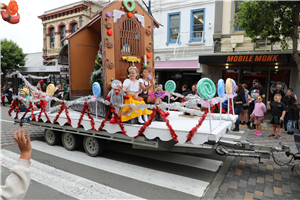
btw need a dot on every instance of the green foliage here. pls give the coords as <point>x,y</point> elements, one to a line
<point>268,19</point>
<point>97,66</point>
<point>13,56</point>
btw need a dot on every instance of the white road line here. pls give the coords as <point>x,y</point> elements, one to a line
<point>69,184</point>
<point>192,161</point>
<point>162,179</point>
<point>241,132</point>
<point>3,120</point>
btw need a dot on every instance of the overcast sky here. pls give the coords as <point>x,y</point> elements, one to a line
<point>28,33</point>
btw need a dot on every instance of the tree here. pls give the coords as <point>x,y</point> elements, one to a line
<point>96,76</point>
<point>275,20</point>
<point>12,56</point>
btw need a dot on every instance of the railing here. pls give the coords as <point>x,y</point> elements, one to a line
<point>185,39</point>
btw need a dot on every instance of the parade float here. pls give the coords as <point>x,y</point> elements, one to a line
<point>121,35</point>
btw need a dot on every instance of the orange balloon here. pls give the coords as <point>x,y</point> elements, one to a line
<point>12,7</point>
<point>148,55</point>
<point>129,14</point>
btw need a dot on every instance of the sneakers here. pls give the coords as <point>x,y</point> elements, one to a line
<point>257,133</point>
<point>278,137</point>
<point>272,135</point>
<point>236,129</point>
<point>290,133</point>
<point>243,123</point>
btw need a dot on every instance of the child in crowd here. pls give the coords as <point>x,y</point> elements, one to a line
<point>278,110</point>
<point>3,99</point>
<point>293,116</point>
<point>258,112</point>
<point>132,88</point>
<point>146,85</point>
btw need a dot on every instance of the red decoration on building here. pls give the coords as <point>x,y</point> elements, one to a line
<point>109,32</point>
<point>129,14</point>
<point>148,55</point>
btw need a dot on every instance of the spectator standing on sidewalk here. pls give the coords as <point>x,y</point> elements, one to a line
<point>258,113</point>
<point>293,94</point>
<point>277,91</point>
<point>239,100</point>
<point>278,110</point>
<point>293,116</point>
<point>244,113</point>
<point>287,100</point>
<point>255,91</point>
<point>17,183</point>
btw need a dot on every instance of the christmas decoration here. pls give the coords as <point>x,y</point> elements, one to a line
<point>96,76</point>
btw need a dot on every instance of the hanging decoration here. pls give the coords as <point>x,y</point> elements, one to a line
<point>109,44</point>
<point>108,25</point>
<point>110,65</point>
<point>149,48</point>
<point>129,5</point>
<point>10,13</point>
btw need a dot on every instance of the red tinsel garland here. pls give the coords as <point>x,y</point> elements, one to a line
<point>174,136</point>
<point>182,100</point>
<point>67,114</point>
<point>27,110</point>
<point>148,123</point>
<point>13,106</point>
<point>212,109</point>
<point>230,106</point>
<point>43,110</point>
<point>32,115</point>
<point>105,119</point>
<point>91,119</point>
<point>118,120</point>
<point>223,110</point>
<point>59,112</point>
<point>82,113</point>
<point>193,131</point>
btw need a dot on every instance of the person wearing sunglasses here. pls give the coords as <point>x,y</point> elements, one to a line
<point>255,91</point>
<point>277,91</point>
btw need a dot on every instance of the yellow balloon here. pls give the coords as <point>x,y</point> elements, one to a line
<point>228,88</point>
<point>50,90</point>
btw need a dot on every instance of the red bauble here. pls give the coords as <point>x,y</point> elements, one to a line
<point>129,14</point>
<point>148,55</point>
<point>109,32</point>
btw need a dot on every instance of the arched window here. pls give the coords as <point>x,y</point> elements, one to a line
<point>130,38</point>
<point>52,38</point>
<point>74,27</point>
<point>62,34</point>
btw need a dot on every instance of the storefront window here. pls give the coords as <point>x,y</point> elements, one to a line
<point>233,74</point>
<point>281,77</point>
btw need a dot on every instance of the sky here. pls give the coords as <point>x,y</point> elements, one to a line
<point>28,33</point>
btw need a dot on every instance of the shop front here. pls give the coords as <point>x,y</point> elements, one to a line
<point>269,68</point>
<point>181,72</point>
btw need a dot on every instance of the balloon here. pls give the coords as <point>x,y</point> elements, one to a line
<point>228,86</point>
<point>50,90</point>
<point>206,88</point>
<point>170,86</point>
<point>96,90</point>
<point>233,86</point>
<point>221,88</point>
<point>149,77</point>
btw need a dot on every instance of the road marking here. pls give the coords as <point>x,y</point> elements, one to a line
<point>67,183</point>
<point>231,136</point>
<point>241,132</point>
<point>3,120</point>
<point>193,161</point>
<point>154,177</point>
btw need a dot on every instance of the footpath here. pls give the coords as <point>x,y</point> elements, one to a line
<point>247,179</point>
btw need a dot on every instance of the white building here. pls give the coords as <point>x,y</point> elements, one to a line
<point>187,31</point>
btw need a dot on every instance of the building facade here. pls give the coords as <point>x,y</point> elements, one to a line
<point>236,57</point>
<point>187,31</point>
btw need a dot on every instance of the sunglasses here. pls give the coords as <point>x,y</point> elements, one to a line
<point>254,83</point>
<point>259,98</point>
<point>277,98</point>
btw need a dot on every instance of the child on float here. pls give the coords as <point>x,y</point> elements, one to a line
<point>146,85</point>
<point>258,112</point>
<point>132,88</point>
<point>278,110</point>
<point>293,116</point>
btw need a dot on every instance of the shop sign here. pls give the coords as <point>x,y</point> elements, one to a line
<point>253,58</point>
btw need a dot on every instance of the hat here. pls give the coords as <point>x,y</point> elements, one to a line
<point>25,90</point>
<point>256,80</point>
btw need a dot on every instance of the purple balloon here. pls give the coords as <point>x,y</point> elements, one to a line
<point>108,14</point>
<point>149,77</point>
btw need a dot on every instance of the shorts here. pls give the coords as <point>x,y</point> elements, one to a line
<point>144,96</point>
<point>276,120</point>
<point>245,107</point>
<point>259,118</point>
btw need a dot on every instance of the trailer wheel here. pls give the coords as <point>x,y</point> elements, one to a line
<point>220,150</point>
<point>70,141</point>
<point>93,146</point>
<point>51,137</point>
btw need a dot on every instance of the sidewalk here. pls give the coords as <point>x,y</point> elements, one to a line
<point>247,179</point>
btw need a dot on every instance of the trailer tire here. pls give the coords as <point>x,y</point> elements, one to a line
<point>70,141</point>
<point>93,146</point>
<point>52,137</point>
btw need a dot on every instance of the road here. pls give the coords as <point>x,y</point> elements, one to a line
<point>120,173</point>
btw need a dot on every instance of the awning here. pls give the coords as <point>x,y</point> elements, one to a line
<point>63,56</point>
<point>266,59</point>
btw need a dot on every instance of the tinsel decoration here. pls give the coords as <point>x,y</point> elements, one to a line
<point>82,113</point>
<point>162,114</point>
<point>59,112</point>
<point>105,119</point>
<point>194,130</point>
<point>96,76</point>
<point>118,120</point>
<point>13,106</point>
<point>91,118</point>
<point>43,110</point>
<point>27,110</point>
<point>146,124</point>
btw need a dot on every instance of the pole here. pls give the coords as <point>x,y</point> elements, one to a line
<point>96,108</point>
<point>209,117</point>
<point>220,113</point>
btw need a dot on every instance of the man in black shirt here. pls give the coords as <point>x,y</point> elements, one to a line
<point>255,91</point>
<point>277,91</point>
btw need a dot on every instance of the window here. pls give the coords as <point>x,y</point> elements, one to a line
<point>52,38</point>
<point>236,10</point>
<point>173,27</point>
<point>129,38</point>
<point>62,34</point>
<point>74,27</point>
<point>197,25</point>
